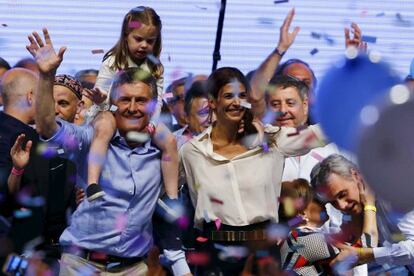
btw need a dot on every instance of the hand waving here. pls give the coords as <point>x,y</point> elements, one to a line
<point>286,38</point>
<point>356,40</point>
<point>97,95</point>
<point>46,57</point>
<point>20,156</point>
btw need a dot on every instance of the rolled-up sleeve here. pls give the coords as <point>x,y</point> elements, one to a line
<point>70,139</point>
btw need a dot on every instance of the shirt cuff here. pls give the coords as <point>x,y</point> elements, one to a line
<point>179,264</point>
<point>382,255</point>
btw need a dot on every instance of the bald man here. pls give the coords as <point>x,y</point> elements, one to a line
<point>18,91</point>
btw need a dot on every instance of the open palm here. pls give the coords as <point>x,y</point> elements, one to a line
<point>46,57</point>
<point>20,156</point>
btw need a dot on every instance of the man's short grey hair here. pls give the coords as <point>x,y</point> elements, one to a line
<point>334,163</point>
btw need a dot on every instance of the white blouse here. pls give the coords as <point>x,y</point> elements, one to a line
<point>245,189</point>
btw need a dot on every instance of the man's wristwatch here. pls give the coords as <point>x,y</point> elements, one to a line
<point>277,52</point>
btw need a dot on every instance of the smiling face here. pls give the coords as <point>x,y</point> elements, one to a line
<point>132,100</point>
<point>294,110</point>
<point>227,106</point>
<point>141,42</point>
<point>343,194</point>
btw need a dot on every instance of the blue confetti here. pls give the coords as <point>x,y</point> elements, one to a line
<point>316,35</point>
<point>380,14</point>
<point>280,1</point>
<point>370,39</point>
<point>314,51</point>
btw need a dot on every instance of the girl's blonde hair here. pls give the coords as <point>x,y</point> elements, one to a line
<point>142,15</point>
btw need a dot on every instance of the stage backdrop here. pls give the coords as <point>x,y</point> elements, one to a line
<point>251,30</point>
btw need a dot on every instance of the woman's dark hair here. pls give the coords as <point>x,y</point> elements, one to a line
<point>222,76</point>
<point>225,75</point>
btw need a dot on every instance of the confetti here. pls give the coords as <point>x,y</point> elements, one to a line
<point>280,1</point>
<point>298,130</point>
<point>201,8</point>
<point>166,158</point>
<point>295,221</point>
<point>246,104</point>
<point>153,59</point>
<point>215,200</point>
<point>316,35</point>
<point>139,137</point>
<point>265,21</point>
<point>206,218</point>
<point>4,25</point>
<point>121,222</point>
<point>370,39</point>
<point>22,213</point>
<point>380,14</point>
<point>60,151</point>
<point>169,57</point>
<point>198,258</point>
<point>329,39</point>
<point>402,22</point>
<point>134,24</point>
<point>113,108</point>
<point>218,223</point>
<point>97,51</point>
<point>314,51</point>
<point>201,239</point>
<point>277,231</point>
<point>317,156</point>
<point>265,147</point>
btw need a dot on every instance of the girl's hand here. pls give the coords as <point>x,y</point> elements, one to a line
<point>97,95</point>
<point>20,156</point>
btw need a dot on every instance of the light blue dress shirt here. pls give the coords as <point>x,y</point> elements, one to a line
<point>119,223</point>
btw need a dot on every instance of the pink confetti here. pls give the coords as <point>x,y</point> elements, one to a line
<point>215,200</point>
<point>218,223</point>
<point>166,158</point>
<point>97,51</point>
<point>121,222</point>
<point>198,258</point>
<point>201,239</point>
<point>317,156</point>
<point>134,25</point>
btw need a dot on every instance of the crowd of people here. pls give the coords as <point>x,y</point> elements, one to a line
<point>226,174</point>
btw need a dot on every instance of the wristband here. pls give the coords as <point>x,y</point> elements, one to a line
<point>277,52</point>
<point>370,208</point>
<point>15,171</point>
<point>359,252</point>
<point>151,128</point>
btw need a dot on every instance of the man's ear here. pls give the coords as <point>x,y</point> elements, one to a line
<point>29,97</point>
<point>79,106</point>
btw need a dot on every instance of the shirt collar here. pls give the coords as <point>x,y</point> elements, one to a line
<point>204,144</point>
<point>141,149</point>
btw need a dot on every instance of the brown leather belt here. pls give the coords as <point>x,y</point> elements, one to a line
<point>235,236</point>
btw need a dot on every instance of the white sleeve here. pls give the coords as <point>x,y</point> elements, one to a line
<point>292,142</point>
<point>401,253</point>
<point>158,106</point>
<point>105,76</point>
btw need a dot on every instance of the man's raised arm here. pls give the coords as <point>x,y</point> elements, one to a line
<point>48,61</point>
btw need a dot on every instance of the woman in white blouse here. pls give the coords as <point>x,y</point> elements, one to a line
<point>235,187</point>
